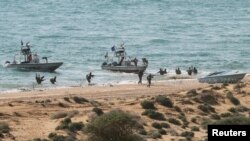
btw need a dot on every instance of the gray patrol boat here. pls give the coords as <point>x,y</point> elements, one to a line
<point>122,63</point>
<point>31,62</point>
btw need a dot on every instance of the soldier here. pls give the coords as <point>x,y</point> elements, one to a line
<point>53,80</point>
<point>149,78</point>
<point>178,71</point>
<point>88,77</point>
<point>195,71</point>
<point>140,74</point>
<point>189,71</point>
<point>162,72</point>
<point>39,79</point>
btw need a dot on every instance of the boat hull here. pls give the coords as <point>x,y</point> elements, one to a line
<point>45,67</point>
<point>234,78</point>
<point>126,69</point>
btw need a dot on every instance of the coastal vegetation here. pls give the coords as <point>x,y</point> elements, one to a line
<point>113,126</point>
<point>165,116</point>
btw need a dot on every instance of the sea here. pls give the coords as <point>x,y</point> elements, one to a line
<point>211,35</point>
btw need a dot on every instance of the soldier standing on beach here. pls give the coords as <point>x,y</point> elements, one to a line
<point>88,77</point>
<point>140,74</point>
<point>149,78</point>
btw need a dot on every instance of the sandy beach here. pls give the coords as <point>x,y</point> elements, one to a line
<point>29,113</point>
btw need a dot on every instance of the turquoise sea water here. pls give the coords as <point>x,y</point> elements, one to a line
<point>209,34</point>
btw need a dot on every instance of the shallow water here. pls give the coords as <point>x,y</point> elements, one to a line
<point>211,35</point>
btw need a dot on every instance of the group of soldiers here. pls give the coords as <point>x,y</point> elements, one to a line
<point>140,75</point>
<point>40,79</point>
<point>190,71</point>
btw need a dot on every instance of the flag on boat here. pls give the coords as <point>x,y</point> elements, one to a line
<point>113,48</point>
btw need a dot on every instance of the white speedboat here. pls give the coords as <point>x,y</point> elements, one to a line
<point>223,77</point>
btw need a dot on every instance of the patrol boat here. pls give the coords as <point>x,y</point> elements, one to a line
<point>31,62</point>
<point>119,61</point>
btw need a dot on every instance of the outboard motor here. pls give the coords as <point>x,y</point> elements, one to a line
<point>7,62</point>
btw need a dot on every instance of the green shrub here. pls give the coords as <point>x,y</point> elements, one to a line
<point>174,121</point>
<point>165,125</point>
<point>64,124</point>
<point>71,114</point>
<point>67,99</point>
<point>61,138</point>
<point>233,99</point>
<point>198,100</point>
<point>98,111</point>
<point>232,110</point>
<point>187,134</point>
<point>215,116</point>
<point>226,115</point>
<point>156,125</point>
<point>187,101</point>
<point>67,124</point>
<point>63,105</point>
<point>192,92</point>
<point>194,120</point>
<point>51,135</point>
<point>216,88</point>
<point>177,109</point>
<point>209,98</point>
<point>147,104</point>
<point>165,101</point>
<point>75,126</point>
<point>115,125</point>
<point>58,115</point>
<point>153,114</point>
<point>142,132</point>
<point>182,118</point>
<point>37,139</point>
<point>185,124</point>
<point>195,128</point>
<point>154,134</point>
<point>206,108</point>
<point>241,108</point>
<point>4,128</point>
<point>80,100</point>
<point>162,131</point>
<point>233,120</point>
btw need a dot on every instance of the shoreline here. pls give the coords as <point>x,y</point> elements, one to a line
<point>159,86</point>
<point>128,82</point>
<point>23,110</point>
<point>181,84</point>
